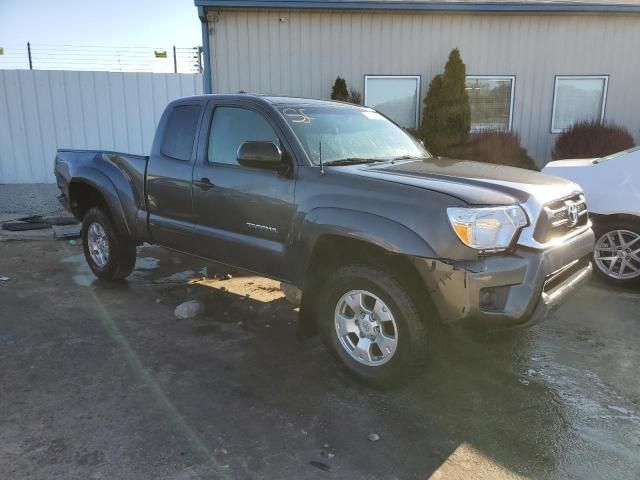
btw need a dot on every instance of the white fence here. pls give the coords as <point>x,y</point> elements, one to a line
<point>41,111</point>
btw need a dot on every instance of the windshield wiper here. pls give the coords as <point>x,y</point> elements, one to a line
<point>352,161</point>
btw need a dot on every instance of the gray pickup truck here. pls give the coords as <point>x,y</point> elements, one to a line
<point>385,241</point>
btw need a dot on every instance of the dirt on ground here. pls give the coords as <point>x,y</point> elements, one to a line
<point>101,381</point>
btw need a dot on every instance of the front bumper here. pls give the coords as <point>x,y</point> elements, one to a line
<point>511,290</point>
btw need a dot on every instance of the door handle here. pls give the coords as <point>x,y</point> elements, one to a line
<point>204,183</point>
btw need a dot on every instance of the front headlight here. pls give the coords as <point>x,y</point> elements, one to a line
<point>488,229</point>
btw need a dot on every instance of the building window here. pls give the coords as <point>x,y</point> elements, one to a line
<point>397,96</point>
<point>491,102</point>
<point>578,99</point>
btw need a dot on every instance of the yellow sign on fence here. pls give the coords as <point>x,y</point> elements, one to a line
<point>1,51</point>
<point>160,53</point>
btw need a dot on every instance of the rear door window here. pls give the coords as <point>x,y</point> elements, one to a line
<point>180,132</point>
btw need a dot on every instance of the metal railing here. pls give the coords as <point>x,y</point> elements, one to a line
<point>101,58</point>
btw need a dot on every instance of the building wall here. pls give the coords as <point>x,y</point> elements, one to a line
<point>41,111</point>
<point>301,53</point>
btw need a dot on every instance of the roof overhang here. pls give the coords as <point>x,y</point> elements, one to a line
<point>434,6</point>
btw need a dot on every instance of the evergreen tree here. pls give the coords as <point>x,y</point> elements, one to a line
<point>446,118</point>
<point>431,130</point>
<point>339,90</point>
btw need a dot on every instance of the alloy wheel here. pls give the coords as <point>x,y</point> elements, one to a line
<point>98,243</point>
<point>617,254</point>
<point>366,328</point>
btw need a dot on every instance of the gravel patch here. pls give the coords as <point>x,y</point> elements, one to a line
<point>21,200</point>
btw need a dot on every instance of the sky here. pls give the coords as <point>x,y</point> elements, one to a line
<point>121,23</point>
<point>100,22</point>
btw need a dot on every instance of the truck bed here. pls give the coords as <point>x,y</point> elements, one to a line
<point>122,174</point>
<point>68,162</point>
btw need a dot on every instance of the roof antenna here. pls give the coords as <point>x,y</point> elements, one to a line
<point>321,164</point>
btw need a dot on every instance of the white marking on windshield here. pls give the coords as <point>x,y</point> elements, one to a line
<point>297,115</point>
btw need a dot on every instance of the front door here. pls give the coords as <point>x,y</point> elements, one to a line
<point>243,215</point>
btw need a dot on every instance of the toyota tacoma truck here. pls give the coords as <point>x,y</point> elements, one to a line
<point>385,241</point>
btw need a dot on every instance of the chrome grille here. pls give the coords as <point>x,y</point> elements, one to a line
<point>560,217</point>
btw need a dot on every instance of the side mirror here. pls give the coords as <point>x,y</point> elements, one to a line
<point>265,155</point>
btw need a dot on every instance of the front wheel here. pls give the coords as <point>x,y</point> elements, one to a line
<point>109,255</point>
<point>617,252</point>
<point>370,322</point>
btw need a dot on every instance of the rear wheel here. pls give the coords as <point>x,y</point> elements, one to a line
<point>109,255</point>
<point>616,254</point>
<point>370,322</point>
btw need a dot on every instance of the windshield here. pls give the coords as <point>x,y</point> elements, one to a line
<point>349,133</point>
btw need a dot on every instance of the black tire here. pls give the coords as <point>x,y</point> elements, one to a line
<point>410,351</point>
<point>122,252</point>
<point>601,229</point>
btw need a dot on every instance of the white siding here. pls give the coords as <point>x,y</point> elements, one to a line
<point>302,55</point>
<point>41,111</point>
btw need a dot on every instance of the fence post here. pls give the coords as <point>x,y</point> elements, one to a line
<point>175,61</point>
<point>29,53</point>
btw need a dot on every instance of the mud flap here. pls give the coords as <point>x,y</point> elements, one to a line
<point>307,326</point>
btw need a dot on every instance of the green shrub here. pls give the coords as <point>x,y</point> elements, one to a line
<point>591,139</point>
<point>497,147</point>
<point>446,117</point>
<point>339,90</point>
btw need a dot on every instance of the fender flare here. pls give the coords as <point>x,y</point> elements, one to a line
<point>382,232</point>
<point>106,188</point>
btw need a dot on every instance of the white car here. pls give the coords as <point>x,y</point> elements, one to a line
<point>612,189</point>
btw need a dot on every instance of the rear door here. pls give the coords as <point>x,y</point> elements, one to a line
<point>243,215</point>
<point>169,175</point>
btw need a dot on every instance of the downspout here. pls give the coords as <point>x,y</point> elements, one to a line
<point>206,52</point>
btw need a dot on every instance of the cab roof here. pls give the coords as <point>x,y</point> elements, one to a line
<point>275,100</point>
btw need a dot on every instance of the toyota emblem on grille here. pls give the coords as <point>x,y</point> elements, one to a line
<point>572,213</point>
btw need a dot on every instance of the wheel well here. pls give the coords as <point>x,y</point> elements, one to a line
<point>83,197</point>
<point>332,251</point>
<point>615,217</point>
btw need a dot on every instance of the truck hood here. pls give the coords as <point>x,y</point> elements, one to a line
<point>475,183</point>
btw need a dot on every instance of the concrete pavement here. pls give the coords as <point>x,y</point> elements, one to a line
<point>100,381</point>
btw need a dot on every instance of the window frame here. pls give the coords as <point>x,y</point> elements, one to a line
<point>251,108</point>
<point>389,76</point>
<point>511,100</point>
<point>578,77</point>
